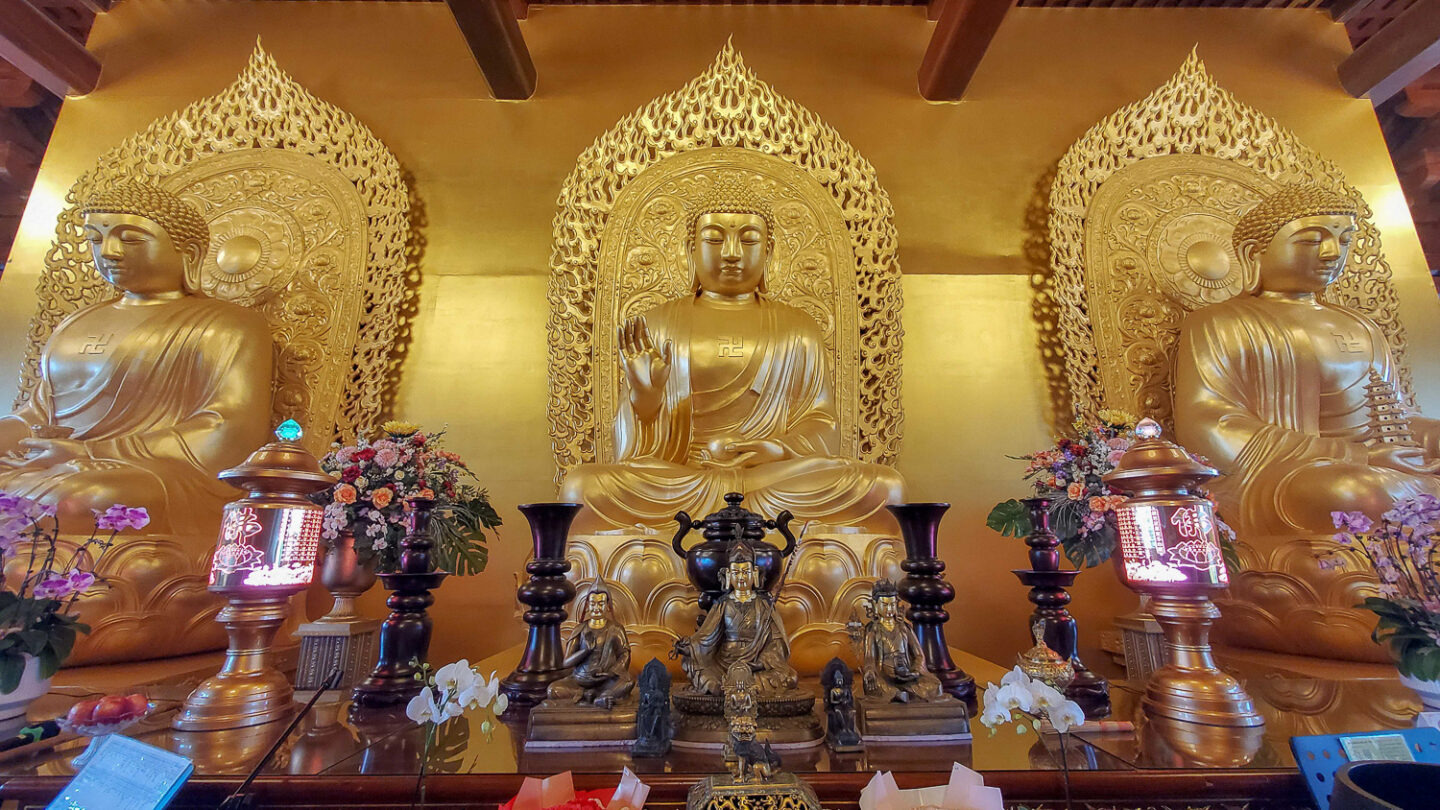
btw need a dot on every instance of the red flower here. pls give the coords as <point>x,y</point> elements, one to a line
<point>365,455</point>
<point>419,440</point>
<point>349,474</point>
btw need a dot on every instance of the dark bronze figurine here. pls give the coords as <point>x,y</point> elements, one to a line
<point>841,733</point>
<point>653,729</point>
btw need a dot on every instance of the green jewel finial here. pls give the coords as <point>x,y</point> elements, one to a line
<point>289,431</point>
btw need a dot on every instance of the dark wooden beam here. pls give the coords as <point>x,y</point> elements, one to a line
<point>1398,54</point>
<point>522,9</point>
<point>42,50</point>
<point>933,9</point>
<point>494,38</point>
<point>958,44</point>
<point>1346,10</point>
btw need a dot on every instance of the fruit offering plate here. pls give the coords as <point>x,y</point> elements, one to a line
<point>107,715</point>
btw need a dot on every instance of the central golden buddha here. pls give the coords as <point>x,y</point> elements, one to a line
<point>727,390</point>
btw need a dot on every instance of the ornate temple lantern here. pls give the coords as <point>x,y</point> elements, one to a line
<point>1170,551</point>
<point>265,554</point>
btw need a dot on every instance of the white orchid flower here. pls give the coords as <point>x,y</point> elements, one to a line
<point>1046,696</point>
<point>1015,677</point>
<point>453,679</point>
<point>422,708</point>
<point>1014,697</point>
<point>994,716</point>
<point>502,702</point>
<point>1066,715</point>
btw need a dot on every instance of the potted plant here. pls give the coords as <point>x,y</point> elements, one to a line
<point>1400,549</point>
<point>365,510</point>
<point>37,626</point>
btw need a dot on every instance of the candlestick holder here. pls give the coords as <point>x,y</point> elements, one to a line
<point>1047,583</point>
<point>405,633</point>
<point>927,593</point>
<point>545,597</point>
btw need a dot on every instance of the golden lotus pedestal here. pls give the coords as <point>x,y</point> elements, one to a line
<point>937,721</point>
<point>784,792</point>
<point>249,690</point>
<point>571,725</point>
<point>831,567</point>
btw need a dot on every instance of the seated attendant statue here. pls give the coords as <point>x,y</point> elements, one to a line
<point>598,656</point>
<point>1270,386</point>
<point>727,390</point>
<point>143,399</point>
<point>743,628</point>
<point>894,662</point>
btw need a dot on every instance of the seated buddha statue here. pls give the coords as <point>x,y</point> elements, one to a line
<point>145,397</point>
<point>727,390</point>
<point>742,629</point>
<point>1270,385</point>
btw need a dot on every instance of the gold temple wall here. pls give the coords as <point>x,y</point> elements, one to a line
<point>962,178</point>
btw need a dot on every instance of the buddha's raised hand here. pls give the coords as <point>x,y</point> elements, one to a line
<point>647,369</point>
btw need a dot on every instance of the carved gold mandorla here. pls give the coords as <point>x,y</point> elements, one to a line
<point>1160,247</point>
<point>620,249</point>
<point>826,245</point>
<point>309,222</point>
<point>1142,209</point>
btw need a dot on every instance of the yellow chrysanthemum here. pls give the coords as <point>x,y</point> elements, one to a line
<point>397,428</point>
<point>1113,416</point>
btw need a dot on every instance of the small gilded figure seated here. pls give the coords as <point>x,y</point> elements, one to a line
<point>894,663</point>
<point>598,655</point>
<point>743,627</point>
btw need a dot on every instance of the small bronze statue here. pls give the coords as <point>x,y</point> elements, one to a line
<point>841,733</point>
<point>742,627</point>
<point>598,655</point>
<point>747,756</point>
<point>653,729</point>
<point>894,663</point>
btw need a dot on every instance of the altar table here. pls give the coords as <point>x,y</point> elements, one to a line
<point>331,762</point>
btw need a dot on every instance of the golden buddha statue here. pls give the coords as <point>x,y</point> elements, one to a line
<point>143,399</point>
<point>743,629</point>
<point>1270,385</point>
<point>727,391</point>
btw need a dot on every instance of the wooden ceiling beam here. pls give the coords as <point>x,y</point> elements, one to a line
<point>42,50</point>
<point>958,44</point>
<point>495,41</point>
<point>1343,11</point>
<point>1407,48</point>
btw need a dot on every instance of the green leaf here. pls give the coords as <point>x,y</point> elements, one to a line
<point>12,666</point>
<point>49,662</point>
<point>1010,518</point>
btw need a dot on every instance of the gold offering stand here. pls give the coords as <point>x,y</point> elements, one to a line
<point>784,792</point>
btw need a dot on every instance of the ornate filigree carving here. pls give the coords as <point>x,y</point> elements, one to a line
<point>619,249</point>
<point>309,220</point>
<point>1129,262</point>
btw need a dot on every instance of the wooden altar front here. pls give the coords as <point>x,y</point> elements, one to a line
<point>331,761</point>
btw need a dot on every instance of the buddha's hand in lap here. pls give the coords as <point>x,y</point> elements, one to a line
<point>731,453</point>
<point>1405,459</point>
<point>44,453</point>
<point>647,369</point>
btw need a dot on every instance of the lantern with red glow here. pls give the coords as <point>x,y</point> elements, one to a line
<point>266,553</point>
<point>1170,551</point>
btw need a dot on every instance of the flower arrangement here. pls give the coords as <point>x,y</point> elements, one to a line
<point>1082,508</point>
<point>1035,700</point>
<point>1082,505</point>
<point>1400,549</point>
<point>376,479</point>
<point>447,693</point>
<point>36,618</point>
